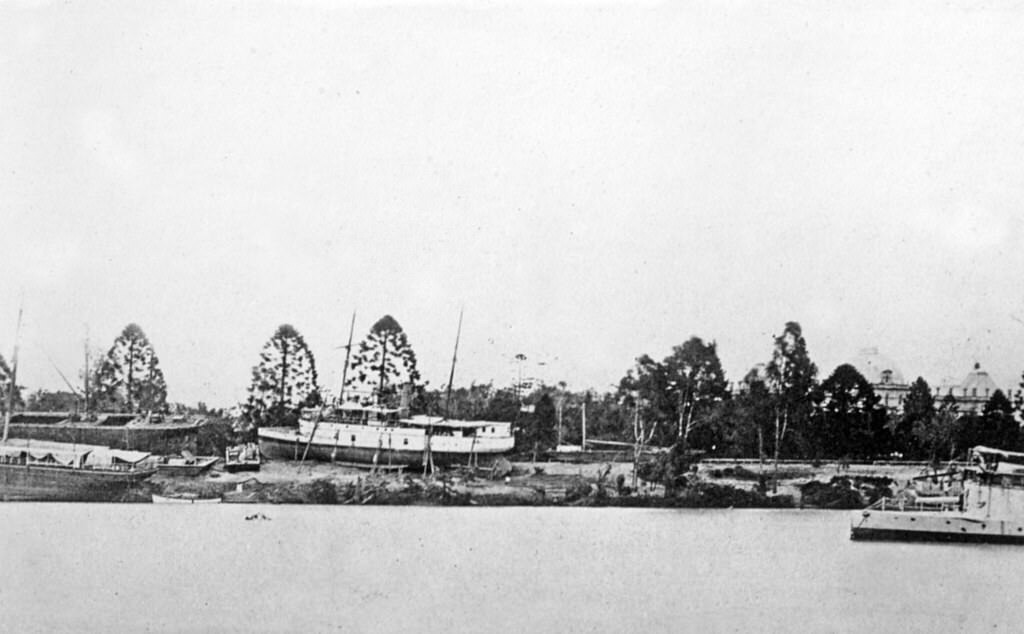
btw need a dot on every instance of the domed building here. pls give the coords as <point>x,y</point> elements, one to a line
<point>884,376</point>
<point>971,394</point>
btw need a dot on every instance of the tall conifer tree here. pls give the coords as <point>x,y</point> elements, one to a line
<point>129,377</point>
<point>284,380</point>
<point>383,363</point>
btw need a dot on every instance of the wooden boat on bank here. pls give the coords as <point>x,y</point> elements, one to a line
<point>984,503</point>
<point>34,470</point>
<point>51,471</point>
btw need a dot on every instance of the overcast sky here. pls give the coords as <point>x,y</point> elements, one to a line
<point>591,181</point>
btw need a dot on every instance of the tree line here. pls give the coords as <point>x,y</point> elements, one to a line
<point>778,410</point>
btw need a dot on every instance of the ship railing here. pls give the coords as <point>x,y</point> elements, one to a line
<point>920,504</point>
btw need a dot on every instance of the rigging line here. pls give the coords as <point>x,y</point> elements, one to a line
<point>55,367</point>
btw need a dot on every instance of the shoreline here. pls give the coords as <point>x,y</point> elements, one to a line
<point>713,485</point>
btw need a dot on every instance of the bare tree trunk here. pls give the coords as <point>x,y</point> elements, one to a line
<point>686,431</point>
<point>638,435</point>
<point>560,404</point>
<point>760,454</point>
<point>383,360</point>
<point>284,372</point>
<point>685,411</point>
<point>680,429</point>
<point>149,380</point>
<point>131,373</point>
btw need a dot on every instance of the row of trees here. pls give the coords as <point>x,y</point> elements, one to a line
<point>285,380</point>
<point>778,410</point>
<point>128,378</point>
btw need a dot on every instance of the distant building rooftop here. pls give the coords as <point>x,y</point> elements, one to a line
<point>980,380</point>
<point>972,393</point>
<point>877,368</point>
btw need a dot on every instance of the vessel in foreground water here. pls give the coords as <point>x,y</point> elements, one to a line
<point>983,502</point>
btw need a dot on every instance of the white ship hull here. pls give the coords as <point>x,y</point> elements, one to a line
<point>380,444</point>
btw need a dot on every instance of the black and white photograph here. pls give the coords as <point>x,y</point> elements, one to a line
<point>545,316</point>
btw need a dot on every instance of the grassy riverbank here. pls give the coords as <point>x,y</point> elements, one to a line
<point>542,483</point>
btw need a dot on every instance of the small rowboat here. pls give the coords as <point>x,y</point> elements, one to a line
<point>185,498</point>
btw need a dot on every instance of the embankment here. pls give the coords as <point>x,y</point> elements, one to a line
<point>539,484</point>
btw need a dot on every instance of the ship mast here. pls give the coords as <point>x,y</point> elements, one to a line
<point>14,379</point>
<point>348,352</point>
<point>85,409</point>
<point>341,394</point>
<point>451,375</point>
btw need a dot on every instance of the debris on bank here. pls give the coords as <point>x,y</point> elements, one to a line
<point>519,484</point>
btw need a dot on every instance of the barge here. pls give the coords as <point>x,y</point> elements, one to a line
<point>153,433</point>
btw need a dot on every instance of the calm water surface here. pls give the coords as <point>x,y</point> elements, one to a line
<point>156,568</point>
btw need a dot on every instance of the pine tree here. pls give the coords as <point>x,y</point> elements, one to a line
<point>918,414</point>
<point>129,377</point>
<point>284,380</point>
<point>383,362</point>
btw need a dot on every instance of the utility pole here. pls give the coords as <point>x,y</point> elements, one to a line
<point>560,403</point>
<point>519,381</point>
<point>583,444</point>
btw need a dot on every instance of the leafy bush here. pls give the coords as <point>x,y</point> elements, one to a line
<point>708,495</point>
<point>214,436</point>
<point>578,489</point>
<point>836,494</point>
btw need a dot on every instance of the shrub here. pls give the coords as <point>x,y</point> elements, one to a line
<point>836,494</point>
<point>708,495</point>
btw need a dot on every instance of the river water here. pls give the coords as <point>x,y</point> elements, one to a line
<point>169,568</point>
